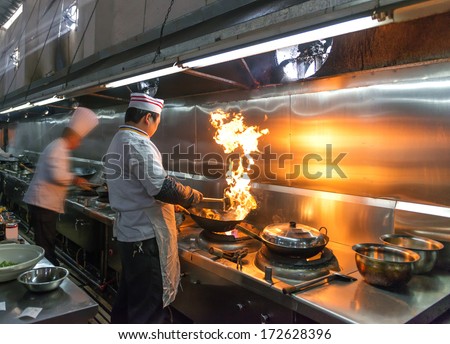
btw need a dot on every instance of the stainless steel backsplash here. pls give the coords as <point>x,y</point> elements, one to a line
<point>364,137</point>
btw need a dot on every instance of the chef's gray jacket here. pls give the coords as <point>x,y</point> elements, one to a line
<point>135,174</point>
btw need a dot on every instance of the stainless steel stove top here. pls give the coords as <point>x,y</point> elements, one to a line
<point>420,301</point>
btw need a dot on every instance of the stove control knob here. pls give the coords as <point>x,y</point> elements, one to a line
<point>265,318</point>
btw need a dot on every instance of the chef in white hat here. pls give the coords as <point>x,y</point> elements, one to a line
<point>46,194</point>
<point>143,196</point>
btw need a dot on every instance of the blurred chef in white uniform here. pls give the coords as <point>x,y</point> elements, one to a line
<point>143,196</point>
<point>46,194</point>
<point>3,154</point>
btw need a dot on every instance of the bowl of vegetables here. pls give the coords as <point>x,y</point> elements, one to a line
<point>17,258</point>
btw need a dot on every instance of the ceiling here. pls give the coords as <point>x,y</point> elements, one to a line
<point>252,73</point>
<point>7,9</point>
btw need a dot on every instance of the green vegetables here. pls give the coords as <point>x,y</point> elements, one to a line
<point>6,263</point>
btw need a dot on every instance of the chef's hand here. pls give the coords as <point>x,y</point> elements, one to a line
<point>197,196</point>
<point>79,181</point>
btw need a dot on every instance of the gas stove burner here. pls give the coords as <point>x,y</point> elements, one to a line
<point>231,240</point>
<point>231,236</point>
<point>297,269</point>
<point>319,259</point>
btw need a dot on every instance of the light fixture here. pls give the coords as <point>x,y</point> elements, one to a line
<point>15,58</point>
<point>17,108</point>
<point>70,16</point>
<point>51,100</point>
<point>13,17</point>
<point>303,37</point>
<point>151,75</point>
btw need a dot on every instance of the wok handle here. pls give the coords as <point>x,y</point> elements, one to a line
<point>331,276</point>
<point>26,168</point>
<point>249,232</point>
<point>210,199</point>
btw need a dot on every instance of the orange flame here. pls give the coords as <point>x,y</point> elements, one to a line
<point>233,134</point>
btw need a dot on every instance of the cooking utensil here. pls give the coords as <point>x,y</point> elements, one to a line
<point>384,265</point>
<point>213,220</point>
<point>23,257</point>
<point>211,199</point>
<point>332,275</point>
<point>427,249</point>
<point>84,171</point>
<point>43,279</point>
<point>224,201</point>
<point>294,240</point>
<point>85,187</point>
<point>26,168</point>
<point>103,193</point>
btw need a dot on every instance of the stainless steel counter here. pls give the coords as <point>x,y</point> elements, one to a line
<point>422,300</point>
<point>100,212</point>
<point>66,305</point>
<point>425,297</point>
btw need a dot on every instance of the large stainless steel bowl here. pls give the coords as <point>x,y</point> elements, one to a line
<point>43,279</point>
<point>426,248</point>
<point>22,257</point>
<point>384,265</point>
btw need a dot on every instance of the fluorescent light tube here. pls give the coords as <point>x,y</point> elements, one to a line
<point>6,111</point>
<point>51,100</point>
<point>146,76</point>
<point>20,107</point>
<point>304,37</point>
<point>13,18</point>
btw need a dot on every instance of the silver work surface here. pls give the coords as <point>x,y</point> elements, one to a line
<point>68,304</point>
<point>422,300</point>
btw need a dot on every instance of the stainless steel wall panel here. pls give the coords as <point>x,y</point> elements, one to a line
<point>176,138</point>
<point>96,143</point>
<point>348,219</point>
<point>392,138</point>
<point>263,113</point>
<point>394,132</point>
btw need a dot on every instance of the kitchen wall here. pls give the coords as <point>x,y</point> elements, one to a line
<point>47,46</point>
<point>342,156</point>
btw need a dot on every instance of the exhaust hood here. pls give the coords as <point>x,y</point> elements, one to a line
<point>238,53</point>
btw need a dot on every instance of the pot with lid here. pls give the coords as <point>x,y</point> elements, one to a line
<point>292,239</point>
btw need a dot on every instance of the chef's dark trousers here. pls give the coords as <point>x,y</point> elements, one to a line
<point>139,298</point>
<point>43,222</point>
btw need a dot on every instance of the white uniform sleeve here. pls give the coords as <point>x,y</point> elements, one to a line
<point>59,166</point>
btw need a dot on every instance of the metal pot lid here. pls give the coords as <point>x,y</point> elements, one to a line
<point>293,235</point>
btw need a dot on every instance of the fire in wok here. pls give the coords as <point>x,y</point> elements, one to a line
<point>232,134</point>
<point>215,220</point>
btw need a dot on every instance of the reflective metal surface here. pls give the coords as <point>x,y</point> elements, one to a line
<point>384,265</point>
<point>43,279</point>
<point>428,249</point>
<point>247,296</point>
<point>68,304</point>
<point>355,141</point>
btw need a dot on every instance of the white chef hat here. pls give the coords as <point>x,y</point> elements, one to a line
<point>83,121</point>
<point>145,102</point>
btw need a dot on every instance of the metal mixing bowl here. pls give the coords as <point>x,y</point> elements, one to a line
<point>22,256</point>
<point>43,279</point>
<point>426,248</point>
<point>384,265</point>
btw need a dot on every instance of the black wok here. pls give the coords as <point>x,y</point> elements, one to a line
<point>224,221</point>
<point>84,171</point>
<point>298,252</point>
